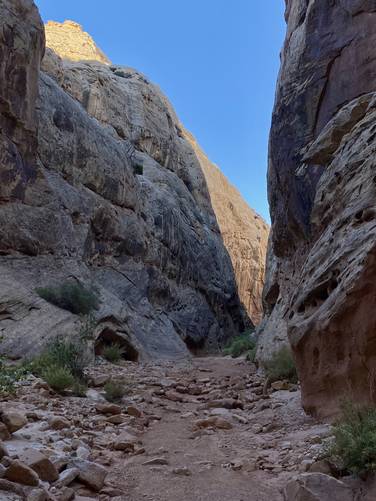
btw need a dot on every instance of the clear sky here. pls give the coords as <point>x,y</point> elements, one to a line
<point>216,60</point>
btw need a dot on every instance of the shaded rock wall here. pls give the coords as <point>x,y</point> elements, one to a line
<point>319,285</point>
<point>118,201</point>
<point>128,102</point>
<point>245,233</point>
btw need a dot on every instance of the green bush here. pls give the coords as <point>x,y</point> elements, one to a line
<point>113,352</point>
<point>114,391</point>
<point>239,345</point>
<point>64,353</point>
<point>281,366</point>
<point>71,296</point>
<point>58,378</point>
<point>79,388</point>
<point>9,375</point>
<point>355,439</point>
<point>251,354</point>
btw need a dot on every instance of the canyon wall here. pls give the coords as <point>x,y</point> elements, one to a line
<point>113,196</point>
<point>320,286</point>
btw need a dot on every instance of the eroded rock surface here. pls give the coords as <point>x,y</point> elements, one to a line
<point>70,41</point>
<point>114,196</point>
<point>319,286</point>
<point>245,233</point>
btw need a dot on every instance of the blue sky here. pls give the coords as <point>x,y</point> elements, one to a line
<point>216,60</point>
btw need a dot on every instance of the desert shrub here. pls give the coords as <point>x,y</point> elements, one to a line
<point>64,353</point>
<point>58,378</point>
<point>71,296</point>
<point>281,366</point>
<point>239,345</point>
<point>113,352</point>
<point>251,354</point>
<point>79,388</point>
<point>9,376</point>
<point>354,443</point>
<point>114,391</point>
<point>86,332</point>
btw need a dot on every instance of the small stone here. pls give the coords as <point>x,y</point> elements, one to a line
<point>117,419</point>
<point>21,473</point>
<point>305,465</point>
<point>58,423</point>
<point>83,452</point>
<point>133,411</point>
<point>37,495</point>
<point>187,415</point>
<point>67,476</point>
<point>213,422</point>
<point>321,466</point>
<point>173,396</point>
<point>112,409</point>
<point>237,464</point>
<point>66,494</point>
<point>13,420</point>
<point>3,450</point>
<point>4,432</point>
<point>125,442</point>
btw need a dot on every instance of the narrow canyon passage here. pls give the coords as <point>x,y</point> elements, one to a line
<point>194,430</point>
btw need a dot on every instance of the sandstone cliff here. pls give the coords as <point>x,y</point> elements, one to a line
<point>70,41</point>
<point>244,233</point>
<point>114,197</point>
<point>319,285</point>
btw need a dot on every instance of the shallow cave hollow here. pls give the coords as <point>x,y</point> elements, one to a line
<point>108,337</point>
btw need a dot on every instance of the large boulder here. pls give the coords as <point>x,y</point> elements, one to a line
<point>317,487</point>
<point>319,285</point>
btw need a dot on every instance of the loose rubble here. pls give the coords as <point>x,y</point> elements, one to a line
<point>204,429</point>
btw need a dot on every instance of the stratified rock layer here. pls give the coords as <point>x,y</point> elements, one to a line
<point>320,274</point>
<point>118,201</point>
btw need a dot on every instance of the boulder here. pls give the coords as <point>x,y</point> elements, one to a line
<point>107,408</point>
<point>13,420</point>
<point>317,487</point>
<point>125,442</point>
<point>21,473</point>
<point>40,463</point>
<point>59,423</point>
<point>91,474</point>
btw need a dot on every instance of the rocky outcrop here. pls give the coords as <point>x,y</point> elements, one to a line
<point>119,203</point>
<point>319,285</point>
<point>70,41</point>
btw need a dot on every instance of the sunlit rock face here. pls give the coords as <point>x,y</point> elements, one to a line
<point>114,196</point>
<point>320,286</point>
<point>71,42</point>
